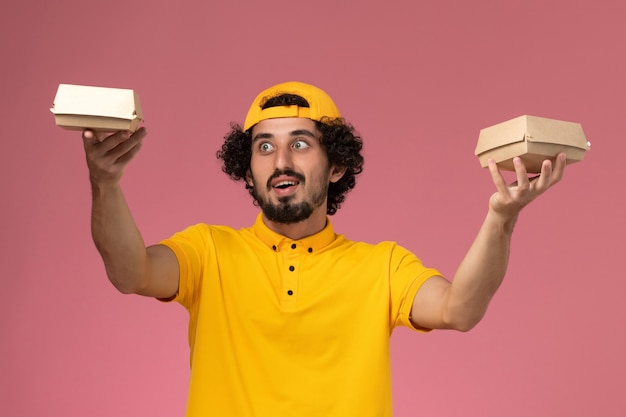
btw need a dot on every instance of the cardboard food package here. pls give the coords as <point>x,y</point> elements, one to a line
<point>532,138</point>
<point>79,107</point>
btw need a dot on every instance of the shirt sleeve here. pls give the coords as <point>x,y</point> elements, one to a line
<point>191,247</point>
<point>407,274</point>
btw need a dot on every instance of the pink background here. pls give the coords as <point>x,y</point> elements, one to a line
<point>418,79</point>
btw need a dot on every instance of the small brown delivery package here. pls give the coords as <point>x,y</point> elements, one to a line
<point>534,139</point>
<point>78,107</point>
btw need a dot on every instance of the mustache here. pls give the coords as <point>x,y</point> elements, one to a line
<point>286,172</point>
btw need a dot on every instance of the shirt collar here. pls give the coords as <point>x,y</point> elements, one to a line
<point>276,241</point>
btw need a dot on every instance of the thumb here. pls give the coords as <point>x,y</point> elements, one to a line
<point>88,134</point>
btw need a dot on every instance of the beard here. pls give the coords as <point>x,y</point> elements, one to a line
<point>286,211</point>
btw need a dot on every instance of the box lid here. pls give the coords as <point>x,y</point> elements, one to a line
<point>532,129</point>
<point>97,101</point>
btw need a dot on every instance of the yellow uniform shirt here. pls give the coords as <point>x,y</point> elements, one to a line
<point>291,328</point>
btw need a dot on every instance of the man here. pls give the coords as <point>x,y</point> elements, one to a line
<point>286,317</point>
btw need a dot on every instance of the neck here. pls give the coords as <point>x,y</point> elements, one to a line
<point>314,224</point>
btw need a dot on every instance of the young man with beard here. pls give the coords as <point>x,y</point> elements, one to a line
<point>286,317</point>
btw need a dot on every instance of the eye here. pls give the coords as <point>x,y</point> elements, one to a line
<point>266,147</point>
<point>300,144</point>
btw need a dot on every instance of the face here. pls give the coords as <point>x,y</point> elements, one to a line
<point>290,173</point>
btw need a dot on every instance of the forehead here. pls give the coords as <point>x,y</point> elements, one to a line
<point>284,126</point>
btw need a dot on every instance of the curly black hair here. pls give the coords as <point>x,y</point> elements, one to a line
<point>339,139</point>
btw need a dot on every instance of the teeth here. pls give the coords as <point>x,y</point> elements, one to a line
<point>284,184</point>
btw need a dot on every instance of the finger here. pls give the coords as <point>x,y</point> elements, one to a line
<point>89,137</point>
<point>559,168</point>
<point>97,136</point>
<point>497,177</point>
<point>130,154</point>
<point>127,139</point>
<point>94,138</point>
<point>90,142</point>
<point>552,173</point>
<point>523,182</point>
<point>128,144</point>
<point>88,134</point>
<point>140,133</point>
<point>545,177</point>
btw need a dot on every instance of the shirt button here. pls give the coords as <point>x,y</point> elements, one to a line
<point>290,292</point>
<point>310,250</point>
<point>292,268</point>
<point>293,246</point>
<point>274,247</point>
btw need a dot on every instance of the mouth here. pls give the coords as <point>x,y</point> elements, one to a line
<point>285,184</point>
<point>284,187</point>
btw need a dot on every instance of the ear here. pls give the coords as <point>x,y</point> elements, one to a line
<point>336,173</point>
<point>249,180</point>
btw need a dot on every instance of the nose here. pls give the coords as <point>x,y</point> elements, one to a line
<point>283,158</point>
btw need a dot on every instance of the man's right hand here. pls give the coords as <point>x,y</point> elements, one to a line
<point>107,156</point>
<point>130,266</point>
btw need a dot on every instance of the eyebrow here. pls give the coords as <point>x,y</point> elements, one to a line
<point>299,132</point>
